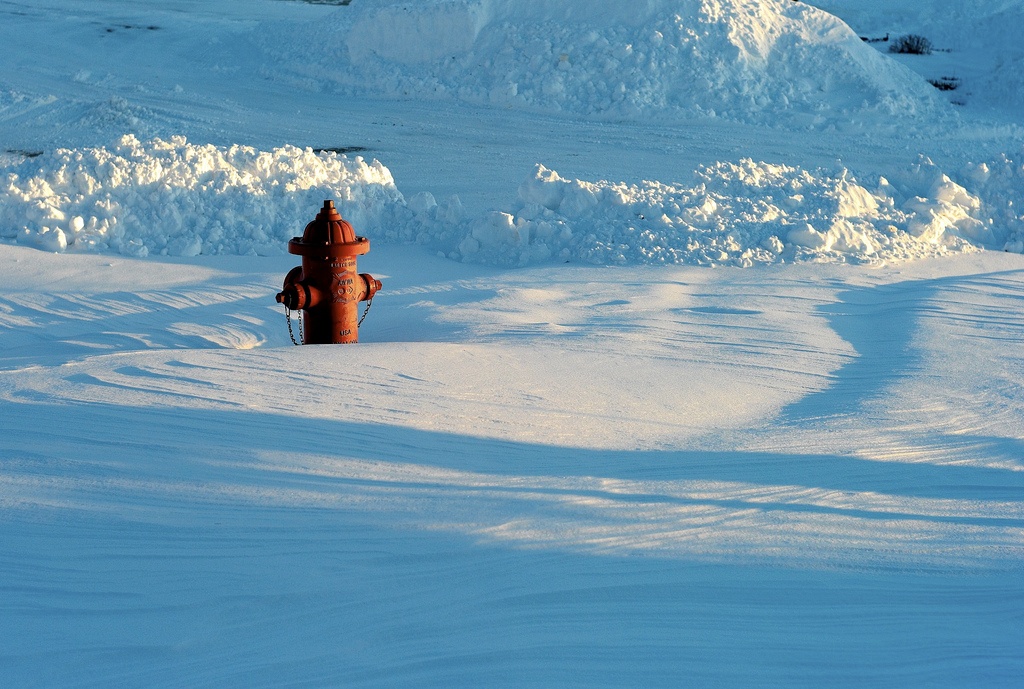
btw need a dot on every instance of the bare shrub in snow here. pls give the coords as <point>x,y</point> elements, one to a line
<point>945,83</point>
<point>912,44</point>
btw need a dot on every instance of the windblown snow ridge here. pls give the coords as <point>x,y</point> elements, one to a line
<point>180,199</point>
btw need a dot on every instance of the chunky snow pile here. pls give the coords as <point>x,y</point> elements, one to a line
<point>732,214</point>
<point>179,199</point>
<point>1000,185</point>
<point>760,61</point>
<point>175,198</point>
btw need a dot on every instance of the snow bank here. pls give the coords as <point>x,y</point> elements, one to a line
<point>732,214</point>
<point>179,199</point>
<point>760,61</point>
<point>999,184</point>
<point>175,198</point>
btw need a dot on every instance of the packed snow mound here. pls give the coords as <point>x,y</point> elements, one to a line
<point>758,61</point>
<point>175,198</point>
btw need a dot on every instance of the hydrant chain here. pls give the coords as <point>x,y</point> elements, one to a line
<point>288,318</point>
<point>362,318</point>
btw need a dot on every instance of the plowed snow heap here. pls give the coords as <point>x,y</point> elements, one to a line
<point>757,61</point>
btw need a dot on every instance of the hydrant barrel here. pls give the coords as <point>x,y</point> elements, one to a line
<point>327,287</point>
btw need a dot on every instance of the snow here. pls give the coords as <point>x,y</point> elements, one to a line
<point>696,362</point>
<point>976,45</point>
<point>734,214</point>
<point>178,199</point>
<point>664,59</point>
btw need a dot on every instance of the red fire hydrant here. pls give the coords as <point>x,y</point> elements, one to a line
<point>326,288</point>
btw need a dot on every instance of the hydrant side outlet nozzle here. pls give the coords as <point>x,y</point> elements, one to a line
<point>327,287</point>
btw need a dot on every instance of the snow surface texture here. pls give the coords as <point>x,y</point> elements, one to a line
<point>978,44</point>
<point>758,61</point>
<point>179,199</point>
<point>650,476</point>
<point>804,475</point>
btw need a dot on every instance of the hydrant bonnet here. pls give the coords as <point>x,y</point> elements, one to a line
<point>329,235</point>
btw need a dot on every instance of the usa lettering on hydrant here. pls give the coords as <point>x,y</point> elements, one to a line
<point>326,289</point>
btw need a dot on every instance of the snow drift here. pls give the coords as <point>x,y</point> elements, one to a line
<point>180,199</point>
<point>749,213</point>
<point>759,61</point>
<point>734,214</point>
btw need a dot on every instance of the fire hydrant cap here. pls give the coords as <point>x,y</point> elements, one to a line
<point>329,235</point>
